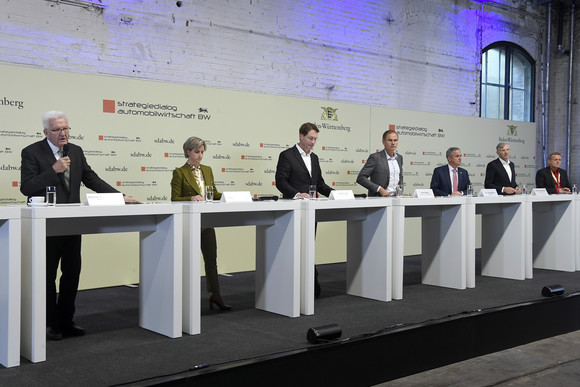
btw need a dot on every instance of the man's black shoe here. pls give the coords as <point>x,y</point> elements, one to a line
<point>53,333</point>
<point>73,331</point>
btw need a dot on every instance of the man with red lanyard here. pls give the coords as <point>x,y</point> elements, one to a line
<point>552,178</point>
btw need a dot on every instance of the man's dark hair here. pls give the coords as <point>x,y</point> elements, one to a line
<point>387,132</point>
<point>307,127</point>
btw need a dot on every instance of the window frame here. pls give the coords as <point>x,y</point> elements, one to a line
<point>510,50</point>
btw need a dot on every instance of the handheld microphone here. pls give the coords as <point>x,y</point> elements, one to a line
<point>65,150</point>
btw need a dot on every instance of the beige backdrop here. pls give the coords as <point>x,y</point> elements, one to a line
<point>132,133</point>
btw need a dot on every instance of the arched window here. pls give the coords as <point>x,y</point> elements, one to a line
<point>507,83</point>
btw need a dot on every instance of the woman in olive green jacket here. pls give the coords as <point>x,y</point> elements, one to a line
<point>188,183</point>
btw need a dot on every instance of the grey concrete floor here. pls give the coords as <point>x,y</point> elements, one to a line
<point>550,362</point>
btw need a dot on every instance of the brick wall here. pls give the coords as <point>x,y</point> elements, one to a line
<point>408,54</point>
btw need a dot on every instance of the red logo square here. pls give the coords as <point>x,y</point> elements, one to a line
<point>100,137</point>
<point>108,106</point>
<point>392,127</point>
<point>166,154</point>
<point>142,169</point>
<point>14,184</point>
<point>118,183</point>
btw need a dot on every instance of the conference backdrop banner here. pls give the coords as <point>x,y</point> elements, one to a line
<point>132,132</point>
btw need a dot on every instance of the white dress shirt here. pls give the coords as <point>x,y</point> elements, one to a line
<point>306,158</point>
<point>506,166</point>
<point>394,173</point>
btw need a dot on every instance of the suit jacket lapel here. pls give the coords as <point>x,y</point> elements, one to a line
<point>47,151</point>
<point>385,162</point>
<point>460,177</point>
<point>50,160</point>
<point>314,161</point>
<point>206,175</point>
<point>447,179</point>
<point>301,160</point>
<point>186,169</point>
<point>502,169</point>
<point>512,167</point>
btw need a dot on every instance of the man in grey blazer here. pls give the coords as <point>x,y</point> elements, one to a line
<point>383,171</point>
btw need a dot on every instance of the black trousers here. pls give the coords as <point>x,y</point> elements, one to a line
<point>65,250</point>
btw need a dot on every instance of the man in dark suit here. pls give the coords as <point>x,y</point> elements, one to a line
<point>450,180</point>
<point>552,178</point>
<point>53,161</point>
<point>297,169</point>
<point>500,173</point>
<point>383,171</point>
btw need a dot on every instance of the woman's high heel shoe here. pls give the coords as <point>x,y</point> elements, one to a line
<point>216,298</point>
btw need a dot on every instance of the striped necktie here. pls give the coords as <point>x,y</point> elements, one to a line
<point>67,172</point>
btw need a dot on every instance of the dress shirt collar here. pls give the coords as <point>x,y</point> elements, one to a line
<point>53,148</point>
<point>302,153</point>
<point>504,163</point>
<point>391,158</point>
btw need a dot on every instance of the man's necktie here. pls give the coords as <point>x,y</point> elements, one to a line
<point>66,173</point>
<point>455,180</point>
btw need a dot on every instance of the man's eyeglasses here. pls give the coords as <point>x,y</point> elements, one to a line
<point>60,130</point>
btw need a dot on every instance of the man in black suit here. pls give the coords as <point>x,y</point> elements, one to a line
<point>552,178</point>
<point>500,173</point>
<point>297,169</point>
<point>53,161</point>
<point>450,180</point>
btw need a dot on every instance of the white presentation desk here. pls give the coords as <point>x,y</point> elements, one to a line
<point>160,264</point>
<point>10,286</point>
<point>369,250</point>
<point>554,233</point>
<point>577,230</point>
<point>443,230</point>
<point>503,237</point>
<point>277,253</point>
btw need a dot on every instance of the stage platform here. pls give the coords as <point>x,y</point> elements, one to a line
<point>381,341</point>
